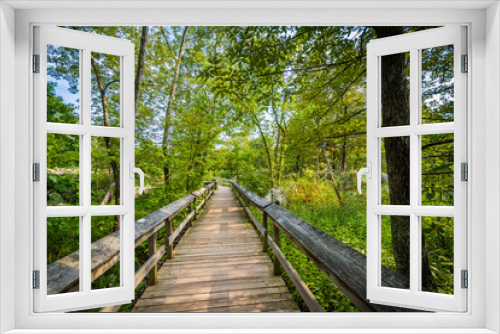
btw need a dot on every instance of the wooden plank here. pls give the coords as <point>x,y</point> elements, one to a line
<point>139,275</point>
<point>255,222</point>
<point>276,243</point>
<point>239,275</point>
<point>204,306</point>
<point>153,273</point>
<point>146,267</point>
<point>210,287</point>
<point>221,245</point>
<point>171,287</point>
<point>258,201</point>
<point>264,232</point>
<point>231,261</point>
<point>222,249</point>
<point>170,245</point>
<point>345,266</point>
<point>205,257</point>
<point>215,271</point>
<point>178,230</point>
<point>300,285</point>
<point>212,296</point>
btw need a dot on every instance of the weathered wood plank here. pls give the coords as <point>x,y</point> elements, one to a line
<point>300,285</point>
<point>140,274</point>
<point>212,287</point>
<point>205,297</point>
<point>153,273</point>
<point>205,306</point>
<point>146,267</point>
<point>181,227</point>
<point>171,287</point>
<point>345,266</point>
<point>258,201</point>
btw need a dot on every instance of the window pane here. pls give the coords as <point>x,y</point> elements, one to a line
<point>105,252</point>
<point>63,85</point>
<point>105,89</point>
<point>395,171</point>
<point>437,170</point>
<point>395,251</point>
<point>437,84</point>
<point>395,92</point>
<point>63,169</point>
<point>105,171</point>
<point>63,256</point>
<point>437,254</point>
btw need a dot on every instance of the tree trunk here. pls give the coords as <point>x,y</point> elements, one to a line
<point>266,147</point>
<point>396,112</point>
<point>170,107</point>
<point>330,171</point>
<point>343,157</point>
<point>139,76</point>
<point>105,109</point>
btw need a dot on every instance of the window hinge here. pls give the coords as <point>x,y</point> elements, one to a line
<point>464,173</point>
<point>36,63</point>
<point>36,172</point>
<point>36,279</point>
<point>465,279</point>
<point>465,63</point>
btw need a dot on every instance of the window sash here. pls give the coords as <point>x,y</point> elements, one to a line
<point>413,43</point>
<point>86,297</point>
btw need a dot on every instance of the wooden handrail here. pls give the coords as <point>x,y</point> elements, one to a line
<point>342,264</point>
<point>63,274</point>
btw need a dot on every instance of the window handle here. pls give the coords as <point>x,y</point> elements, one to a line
<point>366,170</point>
<point>134,170</point>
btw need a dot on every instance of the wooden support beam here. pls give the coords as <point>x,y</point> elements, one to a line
<point>306,294</point>
<point>140,274</point>
<point>153,273</point>
<point>264,236</point>
<point>276,239</point>
<point>178,230</point>
<point>170,232</point>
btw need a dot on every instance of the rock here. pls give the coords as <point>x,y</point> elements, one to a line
<point>278,196</point>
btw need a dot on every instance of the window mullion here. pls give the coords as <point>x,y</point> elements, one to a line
<point>85,189</point>
<point>415,267</point>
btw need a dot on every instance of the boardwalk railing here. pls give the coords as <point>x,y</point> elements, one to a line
<point>342,264</point>
<point>62,276</point>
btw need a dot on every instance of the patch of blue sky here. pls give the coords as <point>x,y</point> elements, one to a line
<point>62,90</point>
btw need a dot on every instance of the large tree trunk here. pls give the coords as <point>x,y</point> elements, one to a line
<point>170,107</point>
<point>139,76</point>
<point>396,112</point>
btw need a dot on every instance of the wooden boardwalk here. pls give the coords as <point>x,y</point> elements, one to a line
<point>218,266</point>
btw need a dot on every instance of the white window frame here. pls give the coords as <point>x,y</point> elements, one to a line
<point>86,43</point>
<point>413,43</point>
<point>484,101</point>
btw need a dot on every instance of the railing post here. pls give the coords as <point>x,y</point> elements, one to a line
<point>153,273</point>
<point>190,208</point>
<point>276,239</point>
<point>170,231</point>
<point>195,211</point>
<point>264,238</point>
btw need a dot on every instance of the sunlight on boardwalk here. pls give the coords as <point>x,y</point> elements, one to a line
<point>218,266</point>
